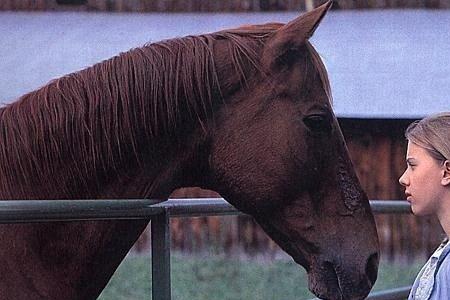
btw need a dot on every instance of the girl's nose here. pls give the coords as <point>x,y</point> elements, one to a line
<point>402,179</point>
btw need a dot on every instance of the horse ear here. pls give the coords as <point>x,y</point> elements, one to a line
<point>296,32</point>
<point>303,27</point>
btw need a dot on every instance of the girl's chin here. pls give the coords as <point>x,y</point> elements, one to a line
<point>418,212</point>
<point>415,210</point>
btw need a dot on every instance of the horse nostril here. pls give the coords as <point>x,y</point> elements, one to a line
<point>372,268</point>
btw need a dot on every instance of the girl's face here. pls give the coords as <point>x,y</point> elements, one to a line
<point>422,180</point>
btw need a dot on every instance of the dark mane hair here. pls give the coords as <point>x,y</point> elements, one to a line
<point>95,116</point>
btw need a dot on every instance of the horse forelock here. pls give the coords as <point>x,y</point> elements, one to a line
<point>92,117</point>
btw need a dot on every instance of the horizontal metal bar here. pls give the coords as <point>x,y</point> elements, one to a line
<point>391,294</point>
<point>390,207</point>
<point>26,211</point>
<point>218,206</point>
<point>199,207</point>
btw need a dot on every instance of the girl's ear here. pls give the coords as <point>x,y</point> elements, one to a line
<point>446,178</point>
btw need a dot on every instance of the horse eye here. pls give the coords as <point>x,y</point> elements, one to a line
<point>318,123</point>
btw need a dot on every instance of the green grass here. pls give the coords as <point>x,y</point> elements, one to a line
<point>218,277</point>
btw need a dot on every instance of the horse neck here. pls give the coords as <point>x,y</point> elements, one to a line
<point>42,160</point>
<point>129,114</point>
<point>75,260</point>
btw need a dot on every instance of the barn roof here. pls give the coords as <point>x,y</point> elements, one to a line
<point>382,64</point>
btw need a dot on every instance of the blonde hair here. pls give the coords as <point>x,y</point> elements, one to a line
<point>433,134</point>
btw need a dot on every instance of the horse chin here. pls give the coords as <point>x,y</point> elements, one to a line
<point>326,284</point>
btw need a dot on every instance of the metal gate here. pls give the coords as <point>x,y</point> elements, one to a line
<point>27,211</point>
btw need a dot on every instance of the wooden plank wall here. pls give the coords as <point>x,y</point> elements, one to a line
<point>377,149</point>
<point>209,5</point>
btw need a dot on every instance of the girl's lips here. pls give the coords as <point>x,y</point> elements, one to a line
<point>408,196</point>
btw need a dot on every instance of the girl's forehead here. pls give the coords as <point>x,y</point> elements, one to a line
<point>420,154</point>
<point>415,151</point>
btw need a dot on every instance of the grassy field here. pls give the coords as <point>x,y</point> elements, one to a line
<point>221,278</point>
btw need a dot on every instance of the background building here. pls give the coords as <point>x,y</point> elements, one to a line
<point>210,5</point>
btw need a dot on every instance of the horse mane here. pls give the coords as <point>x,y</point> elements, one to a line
<point>96,116</point>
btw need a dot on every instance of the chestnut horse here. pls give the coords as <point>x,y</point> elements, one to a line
<point>245,112</point>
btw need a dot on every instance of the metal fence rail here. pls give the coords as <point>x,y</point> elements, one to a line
<point>391,294</point>
<point>27,211</point>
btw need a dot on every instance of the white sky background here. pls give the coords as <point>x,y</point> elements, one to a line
<point>382,64</point>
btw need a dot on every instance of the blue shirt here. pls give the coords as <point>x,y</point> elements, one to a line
<point>433,281</point>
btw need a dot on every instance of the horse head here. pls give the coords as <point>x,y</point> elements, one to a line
<point>278,154</point>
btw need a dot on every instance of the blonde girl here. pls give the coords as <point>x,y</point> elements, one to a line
<point>427,187</point>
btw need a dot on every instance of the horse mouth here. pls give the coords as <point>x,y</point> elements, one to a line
<point>327,280</point>
<point>329,285</point>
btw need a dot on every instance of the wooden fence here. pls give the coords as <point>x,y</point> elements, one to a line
<point>210,5</point>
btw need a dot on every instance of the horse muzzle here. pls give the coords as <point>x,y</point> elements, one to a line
<point>331,281</point>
